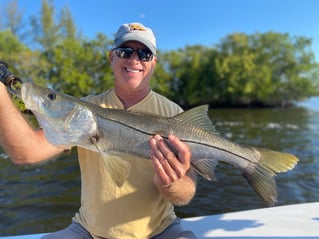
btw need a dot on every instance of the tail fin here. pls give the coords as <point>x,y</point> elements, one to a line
<point>262,178</point>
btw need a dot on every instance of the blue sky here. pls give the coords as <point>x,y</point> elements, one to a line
<point>178,23</point>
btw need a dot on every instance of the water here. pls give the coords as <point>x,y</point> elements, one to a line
<point>45,197</point>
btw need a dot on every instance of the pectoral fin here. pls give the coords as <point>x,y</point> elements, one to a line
<point>118,167</point>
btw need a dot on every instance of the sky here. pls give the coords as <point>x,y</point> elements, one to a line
<point>177,23</point>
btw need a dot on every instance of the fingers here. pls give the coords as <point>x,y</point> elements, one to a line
<point>165,175</point>
<point>168,166</point>
<point>163,160</point>
<point>184,153</point>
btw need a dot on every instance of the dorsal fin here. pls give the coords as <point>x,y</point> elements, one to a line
<point>198,116</point>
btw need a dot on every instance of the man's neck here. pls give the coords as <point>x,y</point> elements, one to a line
<point>130,98</point>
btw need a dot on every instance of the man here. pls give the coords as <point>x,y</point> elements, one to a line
<point>143,206</point>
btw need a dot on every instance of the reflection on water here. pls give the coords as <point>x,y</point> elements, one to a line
<point>44,197</point>
<point>38,198</point>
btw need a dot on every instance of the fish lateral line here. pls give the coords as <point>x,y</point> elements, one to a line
<point>164,135</point>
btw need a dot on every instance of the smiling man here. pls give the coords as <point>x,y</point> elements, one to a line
<point>144,206</point>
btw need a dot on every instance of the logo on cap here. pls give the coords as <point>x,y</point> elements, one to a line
<point>136,27</point>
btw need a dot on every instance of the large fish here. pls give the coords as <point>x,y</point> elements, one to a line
<point>68,121</point>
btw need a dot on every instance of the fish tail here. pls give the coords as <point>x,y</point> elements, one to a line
<point>261,177</point>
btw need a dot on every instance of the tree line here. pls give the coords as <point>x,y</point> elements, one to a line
<point>260,69</point>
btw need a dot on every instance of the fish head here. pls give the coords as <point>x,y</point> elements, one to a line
<point>65,120</point>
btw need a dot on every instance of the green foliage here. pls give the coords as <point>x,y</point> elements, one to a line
<point>161,78</point>
<point>79,67</point>
<point>191,71</point>
<point>270,68</point>
<point>260,69</point>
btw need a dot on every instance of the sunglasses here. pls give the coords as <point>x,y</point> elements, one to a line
<point>127,52</point>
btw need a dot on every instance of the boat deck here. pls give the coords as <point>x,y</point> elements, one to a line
<point>284,222</point>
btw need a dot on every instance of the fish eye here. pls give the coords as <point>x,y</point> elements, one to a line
<point>51,96</point>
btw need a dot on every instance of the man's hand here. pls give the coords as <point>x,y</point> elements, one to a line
<point>8,79</point>
<point>173,176</point>
<point>4,72</point>
<point>169,167</point>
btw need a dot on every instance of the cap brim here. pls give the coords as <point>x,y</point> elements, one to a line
<point>137,38</point>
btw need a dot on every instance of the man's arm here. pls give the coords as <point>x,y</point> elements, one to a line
<point>174,177</point>
<point>17,138</point>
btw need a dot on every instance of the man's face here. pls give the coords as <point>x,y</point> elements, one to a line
<point>132,73</point>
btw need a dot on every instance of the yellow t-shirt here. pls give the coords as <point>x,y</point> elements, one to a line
<point>135,210</point>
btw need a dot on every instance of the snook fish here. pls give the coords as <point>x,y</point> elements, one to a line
<point>68,121</point>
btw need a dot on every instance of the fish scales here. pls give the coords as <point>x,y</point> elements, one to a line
<point>186,132</point>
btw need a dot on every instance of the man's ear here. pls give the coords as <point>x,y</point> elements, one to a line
<point>111,56</point>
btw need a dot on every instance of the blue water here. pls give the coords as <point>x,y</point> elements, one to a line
<point>311,104</point>
<point>42,198</point>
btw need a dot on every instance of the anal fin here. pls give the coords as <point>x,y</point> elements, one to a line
<point>205,168</point>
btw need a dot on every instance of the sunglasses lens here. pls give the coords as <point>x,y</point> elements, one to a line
<point>124,52</point>
<point>144,55</point>
<point>127,52</point>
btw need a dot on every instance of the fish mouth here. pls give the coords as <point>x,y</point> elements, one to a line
<point>24,93</point>
<point>29,96</point>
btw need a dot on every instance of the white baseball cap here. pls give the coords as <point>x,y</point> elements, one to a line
<point>136,32</point>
